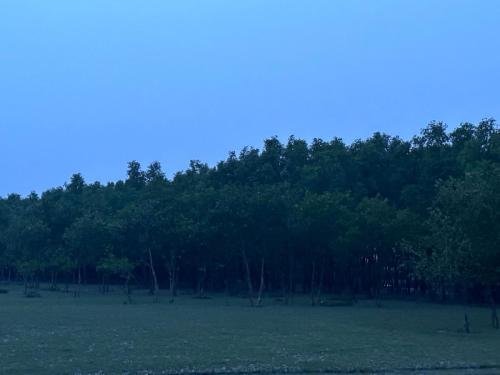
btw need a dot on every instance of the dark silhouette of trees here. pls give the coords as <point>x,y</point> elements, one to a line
<point>381,216</point>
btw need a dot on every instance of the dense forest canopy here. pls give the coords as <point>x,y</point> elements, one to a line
<point>378,216</point>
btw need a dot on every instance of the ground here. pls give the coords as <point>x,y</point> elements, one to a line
<point>59,334</point>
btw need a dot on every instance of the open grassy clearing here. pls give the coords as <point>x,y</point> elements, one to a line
<point>60,334</point>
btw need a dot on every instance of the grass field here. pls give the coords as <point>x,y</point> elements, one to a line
<point>59,334</point>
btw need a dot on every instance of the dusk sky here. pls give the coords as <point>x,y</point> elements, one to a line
<point>88,85</point>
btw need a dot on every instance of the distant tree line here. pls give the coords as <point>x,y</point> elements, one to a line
<point>375,217</point>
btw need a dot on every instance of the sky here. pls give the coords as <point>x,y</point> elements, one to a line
<point>88,85</point>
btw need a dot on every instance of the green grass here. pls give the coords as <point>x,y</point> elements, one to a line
<point>59,334</point>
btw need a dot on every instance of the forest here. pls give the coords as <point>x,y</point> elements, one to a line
<point>377,218</point>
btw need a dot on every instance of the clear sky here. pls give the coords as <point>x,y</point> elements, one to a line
<point>87,85</point>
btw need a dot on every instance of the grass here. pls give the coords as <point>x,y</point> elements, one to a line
<point>59,334</point>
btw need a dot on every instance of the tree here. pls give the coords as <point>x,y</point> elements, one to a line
<point>379,215</point>
<point>110,265</point>
<point>135,176</point>
<point>27,238</point>
<point>322,222</point>
<point>464,240</point>
<point>85,239</point>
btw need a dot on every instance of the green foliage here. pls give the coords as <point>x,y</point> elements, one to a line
<point>381,214</point>
<point>112,265</point>
<point>464,228</point>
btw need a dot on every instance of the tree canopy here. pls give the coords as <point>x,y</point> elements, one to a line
<point>380,215</point>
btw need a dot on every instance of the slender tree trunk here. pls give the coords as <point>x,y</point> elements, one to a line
<point>378,280</point>
<point>25,285</point>
<point>79,281</point>
<point>201,282</point>
<point>466,316</point>
<point>66,283</point>
<point>127,289</point>
<point>172,276</point>
<point>284,289</point>
<point>261,287</point>
<point>443,292</point>
<point>466,323</point>
<point>176,284</point>
<point>290,280</point>
<point>248,277</point>
<point>103,283</point>
<point>320,285</point>
<point>78,289</point>
<point>494,316</point>
<point>153,274</point>
<point>53,280</point>
<point>352,282</point>
<point>313,277</point>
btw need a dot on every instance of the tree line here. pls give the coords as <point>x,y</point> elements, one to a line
<point>380,216</point>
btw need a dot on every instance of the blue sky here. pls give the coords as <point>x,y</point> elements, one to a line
<point>87,85</point>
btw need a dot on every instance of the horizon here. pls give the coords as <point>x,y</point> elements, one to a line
<point>171,174</point>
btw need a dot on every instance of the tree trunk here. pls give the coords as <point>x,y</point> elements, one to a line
<point>320,285</point>
<point>103,284</point>
<point>284,288</point>
<point>172,276</point>
<point>466,323</point>
<point>153,274</point>
<point>261,287</point>
<point>443,292</point>
<point>313,277</point>
<point>53,281</point>
<point>248,277</point>
<point>377,286</point>
<point>494,316</point>
<point>77,292</point>
<point>290,281</point>
<point>127,289</point>
<point>201,282</point>
<point>25,285</point>
<point>351,282</point>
